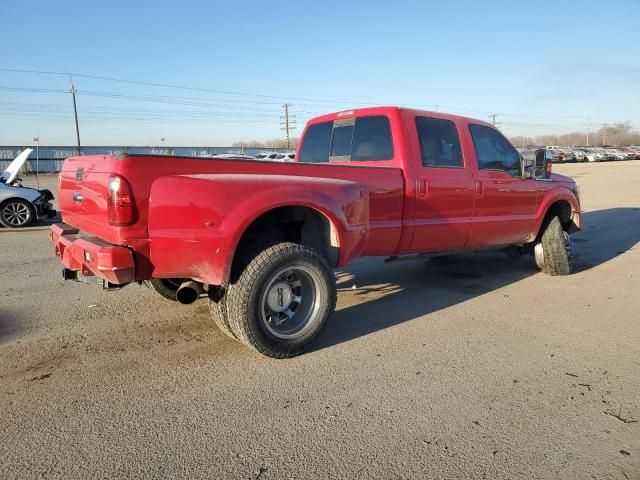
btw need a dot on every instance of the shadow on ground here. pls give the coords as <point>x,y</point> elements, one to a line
<point>411,288</point>
<point>9,324</point>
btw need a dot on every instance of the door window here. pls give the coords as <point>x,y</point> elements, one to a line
<point>493,151</point>
<point>439,142</point>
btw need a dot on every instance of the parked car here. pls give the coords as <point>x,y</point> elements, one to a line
<point>604,154</point>
<point>20,206</point>
<point>630,152</point>
<point>285,157</point>
<point>266,156</point>
<point>616,154</point>
<point>578,154</point>
<point>590,155</point>
<point>233,156</point>
<point>262,240</point>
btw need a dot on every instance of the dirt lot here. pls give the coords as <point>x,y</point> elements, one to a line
<point>467,366</point>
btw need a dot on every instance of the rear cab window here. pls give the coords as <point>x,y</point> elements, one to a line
<point>360,139</point>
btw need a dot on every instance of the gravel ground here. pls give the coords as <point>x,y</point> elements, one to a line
<point>464,366</point>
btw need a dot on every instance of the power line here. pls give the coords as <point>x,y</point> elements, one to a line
<point>261,95</point>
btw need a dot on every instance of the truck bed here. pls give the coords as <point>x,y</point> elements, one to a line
<point>87,177</point>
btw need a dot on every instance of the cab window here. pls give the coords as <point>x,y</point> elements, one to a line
<point>356,140</point>
<point>493,151</point>
<point>315,144</point>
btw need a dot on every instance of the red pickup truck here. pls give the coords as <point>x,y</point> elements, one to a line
<point>260,238</point>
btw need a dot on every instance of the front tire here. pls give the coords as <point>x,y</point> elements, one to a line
<point>16,213</point>
<point>281,301</point>
<point>553,251</point>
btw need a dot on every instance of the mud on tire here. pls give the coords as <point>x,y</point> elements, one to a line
<point>553,250</point>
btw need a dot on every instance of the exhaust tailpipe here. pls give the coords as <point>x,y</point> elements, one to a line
<point>189,292</point>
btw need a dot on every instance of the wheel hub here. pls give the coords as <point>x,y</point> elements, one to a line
<point>289,307</point>
<point>15,213</point>
<point>279,297</point>
<point>538,254</point>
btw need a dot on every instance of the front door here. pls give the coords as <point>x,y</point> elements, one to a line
<point>504,202</point>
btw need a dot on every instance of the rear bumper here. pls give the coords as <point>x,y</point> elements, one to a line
<point>92,257</point>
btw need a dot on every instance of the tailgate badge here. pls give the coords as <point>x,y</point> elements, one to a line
<point>79,174</point>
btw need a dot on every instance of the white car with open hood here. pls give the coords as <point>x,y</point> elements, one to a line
<point>20,206</point>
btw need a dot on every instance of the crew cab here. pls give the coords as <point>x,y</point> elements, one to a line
<point>261,239</point>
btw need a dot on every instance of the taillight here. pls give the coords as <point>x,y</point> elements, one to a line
<point>120,202</point>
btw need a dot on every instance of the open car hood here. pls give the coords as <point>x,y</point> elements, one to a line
<point>10,174</point>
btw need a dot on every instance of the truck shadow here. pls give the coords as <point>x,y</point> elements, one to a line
<point>9,324</point>
<point>374,295</point>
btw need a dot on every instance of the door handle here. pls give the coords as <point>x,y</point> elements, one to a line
<point>421,188</point>
<point>479,186</point>
<point>77,197</point>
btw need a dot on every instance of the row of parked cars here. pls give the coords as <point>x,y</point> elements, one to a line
<point>593,154</point>
<point>273,156</point>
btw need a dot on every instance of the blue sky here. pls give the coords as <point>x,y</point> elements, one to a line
<point>542,66</point>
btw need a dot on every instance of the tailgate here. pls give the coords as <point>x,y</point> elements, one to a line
<point>82,194</point>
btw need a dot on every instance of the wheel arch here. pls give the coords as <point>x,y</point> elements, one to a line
<point>297,223</point>
<point>563,207</point>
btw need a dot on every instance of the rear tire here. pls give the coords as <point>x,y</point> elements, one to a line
<point>281,301</point>
<point>218,311</point>
<point>553,251</point>
<point>16,213</point>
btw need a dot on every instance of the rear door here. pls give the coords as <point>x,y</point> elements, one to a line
<point>504,202</point>
<point>364,140</point>
<point>444,186</point>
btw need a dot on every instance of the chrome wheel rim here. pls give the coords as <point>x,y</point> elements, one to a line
<point>538,254</point>
<point>288,304</point>
<point>16,213</point>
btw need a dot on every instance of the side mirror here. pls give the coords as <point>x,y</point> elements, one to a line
<point>528,167</point>
<point>537,164</point>
<point>528,164</point>
<point>544,163</point>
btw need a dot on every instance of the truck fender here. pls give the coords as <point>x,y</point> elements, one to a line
<point>552,197</point>
<point>197,221</point>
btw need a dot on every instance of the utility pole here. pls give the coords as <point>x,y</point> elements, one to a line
<point>493,118</point>
<point>37,140</point>
<point>287,123</point>
<point>75,113</point>
<point>588,125</point>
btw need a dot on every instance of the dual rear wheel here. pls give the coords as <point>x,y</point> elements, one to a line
<point>279,302</point>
